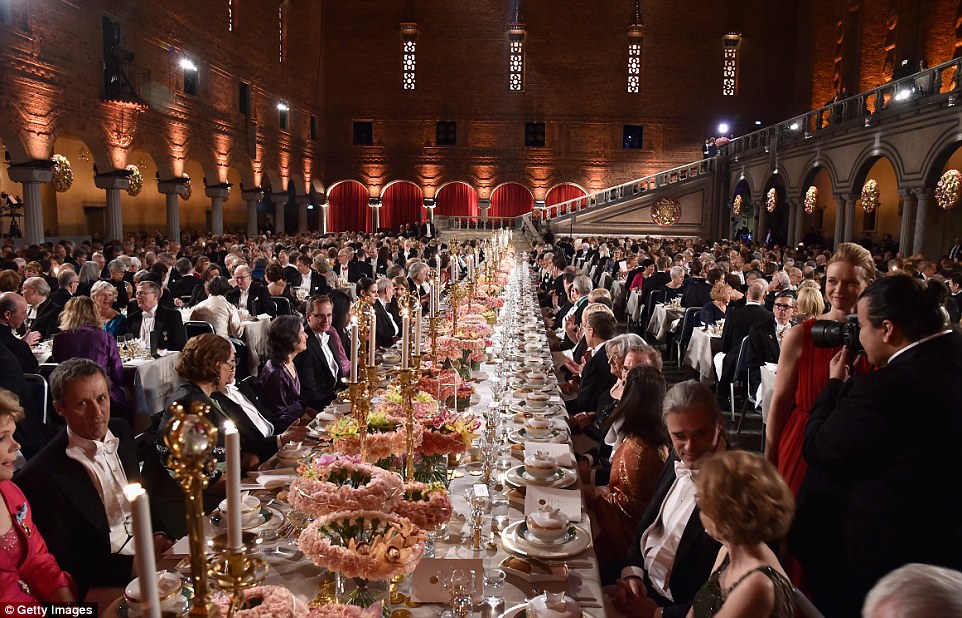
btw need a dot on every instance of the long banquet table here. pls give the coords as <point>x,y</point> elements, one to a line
<point>702,347</point>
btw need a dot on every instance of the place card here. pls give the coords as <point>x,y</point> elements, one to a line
<point>567,500</point>
<point>560,450</point>
<point>428,579</point>
<point>480,490</point>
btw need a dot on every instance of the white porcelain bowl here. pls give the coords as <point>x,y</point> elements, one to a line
<point>541,468</point>
<point>546,530</point>
<point>537,427</point>
<point>250,511</point>
<point>537,401</point>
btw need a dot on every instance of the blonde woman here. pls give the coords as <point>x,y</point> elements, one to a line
<point>810,301</point>
<point>104,296</point>
<point>717,308</point>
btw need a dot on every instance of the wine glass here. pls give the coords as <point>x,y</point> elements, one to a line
<point>461,584</point>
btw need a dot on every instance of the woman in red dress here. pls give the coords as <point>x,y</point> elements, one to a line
<point>803,367</point>
<point>28,572</point>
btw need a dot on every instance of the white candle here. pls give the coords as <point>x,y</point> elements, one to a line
<point>355,349</point>
<point>235,540</point>
<point>434,307</point>
<point>471,267</point>
<point>405,339</point>
<point>372,340</point>
<point>454,267</point>
<point>144,549</point>
<point>417,331</point>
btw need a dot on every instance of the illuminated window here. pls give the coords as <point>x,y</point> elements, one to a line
<point>516,66</point>
<point>730,64</point>
<point>408,63</point>
<point>230,15</point>
<point>634,67</point>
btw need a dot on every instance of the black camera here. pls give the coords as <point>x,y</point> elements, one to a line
<point>832,334</point>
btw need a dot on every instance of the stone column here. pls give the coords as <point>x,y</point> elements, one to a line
<point>172,189</point>
<point>250,198</point>
<point>217,195</point>
<point>375,216</point>
<point>924,197</point>
<point>850,218</point>
<point>792,206</point>
<point>839,219</point>
<point>31,177</point>
<point>908,214</point>
<point>799,222</point>
<point>485,207</point>
<point>325,211</point>
<point>760,215</point>
<point>113,183</point>
<point>429,205</point>
<point>302,201</point>
<point>280,203</point>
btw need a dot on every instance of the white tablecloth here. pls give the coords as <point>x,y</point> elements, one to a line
<point>701,348</point>
<point>154,380</point>
<point>634,307</point>
<point>768,389</point>
<point>661,319</point>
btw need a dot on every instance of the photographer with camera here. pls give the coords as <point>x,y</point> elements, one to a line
<point>803,365</point>
<point>883,450</point>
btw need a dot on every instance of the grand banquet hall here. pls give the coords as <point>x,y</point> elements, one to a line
<point>478,308</point>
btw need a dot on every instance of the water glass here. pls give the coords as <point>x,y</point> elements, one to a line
<point>462,584</point>
<point>494,588</point>
<point>499,513</point>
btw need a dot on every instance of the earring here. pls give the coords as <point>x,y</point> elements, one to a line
<point>217,382</point>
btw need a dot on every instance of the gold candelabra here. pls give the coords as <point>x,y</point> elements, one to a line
<point>359,389</point>
<point>407,378</point>
<point>191,438</point>
<point>434,323</point>
<point>237,570</point>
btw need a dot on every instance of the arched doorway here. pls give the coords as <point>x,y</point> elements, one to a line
<point>743,221</point>
<point>819,225</point>
<point>562,193</point>
<point>886,219</point>
<point>401,203</point>
<point>776,223</point>
<point>511,200</point>
<point>349,207</point>
<point>457,199</point>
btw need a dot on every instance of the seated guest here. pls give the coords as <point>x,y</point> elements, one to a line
<point>155,323</point>
<point>29,573</point>
<point>672,554</point>
<point>200,291</point>
<point>184,284</point>
<point>347,270</point>
<point>810,302</point>
<point>916,590</point>
<point>875,496</point>
<point>250,296</point>
<point>765,338</point>
<point>89,275</point>
<point>387,328</point>
<point>75,484</point>
<point>635,466</point>
<point>277,285</point>
<point>217,311</point>
<point>81,336</point>
<point>400,289</point>
<point>697,290</point>
<point>744,504</point>
<point>68,282</point>
<point>308,281</point>
<point>716,310</point>
<point>673,289</point>
<point>592,422</point>
<point>578,292</point>
<point>418,275</point>
<point>341,322</point>
<point>596,376</point>
<point>736,329</point>
<point>13,313</point>
<point>104,295</point>
<point>318,369</point>
<point>43,314</point>
<point>278,380</point>
<point>115,277</point>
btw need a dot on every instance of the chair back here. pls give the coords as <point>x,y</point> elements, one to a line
<point>605,281</point>
<point>196,327</point>
<point>38,396</point>
<point>687,325</point>
<point>283,305</point>
<point>805,606</point>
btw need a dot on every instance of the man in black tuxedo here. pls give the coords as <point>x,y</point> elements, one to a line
<point>418,276</point>
<point>428,229</point>
<point>13,313</point>
<point>737,325</point>
<point>883,451</point>
<point>250,296</point>
<point>346,269</point>
<point>363,266</point>
<point>67,283</point>
<point>596,376</point>
<point>85,521</point>
<point>308,280</point>
<point>317,366</point>
<point>586,254</point>
<point>387,328</point>
<point>696,291</point>
<point>657,280</point>
<point>154,321</point>
<point>43,314</point>
<point>765,338</point>
<point>672,554</point>
<point>184,285</point>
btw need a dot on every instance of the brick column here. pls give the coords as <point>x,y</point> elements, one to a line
<point>839,219</point>
<point>485,207</point>
<point>924,197</point>
<point>113,183</point>
<point>302,201</point>
<point>280,203</point>
<point>31,177</point>
<point>850,218</point>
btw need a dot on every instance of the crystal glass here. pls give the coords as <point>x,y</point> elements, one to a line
<point>461,584</point>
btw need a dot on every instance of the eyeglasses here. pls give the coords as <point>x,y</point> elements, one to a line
<point>241,277</point>
<point>783,306</point>
<point>321,316</point>
<point>141,293</point>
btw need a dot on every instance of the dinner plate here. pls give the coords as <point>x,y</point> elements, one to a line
<point>549,410</point>
<point>519,477</point>
<point>270,517</point>
<point>520,436</point>
<point>122,608</point>
<point>525,535</point>
<point>521,611</point>
<point>514,544</point>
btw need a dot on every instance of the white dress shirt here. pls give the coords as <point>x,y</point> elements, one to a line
<point>242,299</point>
<point>389,316</point>
<point>328,354</point>
<point>263,425</point>
<point>147,324</point>
<point>106,472</point>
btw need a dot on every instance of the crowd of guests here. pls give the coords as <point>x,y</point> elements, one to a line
<point>841,495</point>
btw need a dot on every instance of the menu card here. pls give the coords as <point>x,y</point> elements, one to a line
<point>560,450</point>
<point>427,581</point>
<point>567,500</point>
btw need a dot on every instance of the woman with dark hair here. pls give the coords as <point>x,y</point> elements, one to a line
<point>883,449</point>
<point>383,261</point>
<point>218,311</point>
<point>278,380</point>
<point>342,316</point>
<point>200,290</point>
<point>276,283</point>
<point>636,464</point>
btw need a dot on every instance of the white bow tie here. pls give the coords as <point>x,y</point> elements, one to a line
<point>682,471</point>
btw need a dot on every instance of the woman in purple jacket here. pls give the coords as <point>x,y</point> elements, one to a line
<point>280,386</point>
<point>81,335</point>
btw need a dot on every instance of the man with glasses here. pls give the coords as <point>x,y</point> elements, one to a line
<point>43,313</point>
<point>249,296</point>
<point>737,324</point>
<point>319,367</point>
<point>765,338</point>
<point>154,322</point>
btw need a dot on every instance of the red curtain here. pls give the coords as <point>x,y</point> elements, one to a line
<point>563,193</point>
<point>457,200</point>
<point>349,210</point>
<point>401,203</point>
<point>511,200</point>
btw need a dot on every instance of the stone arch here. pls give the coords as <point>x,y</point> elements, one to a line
<point>401,202</point>
<point>867,158</point>
<point>887,218</point>
<point>822,175</point>
<point>457,198</point>
<point>348,206</point>
<point>938,156</point>
<point>777,223</point>
<point>511,199</point>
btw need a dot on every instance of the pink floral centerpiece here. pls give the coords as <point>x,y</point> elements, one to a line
<point>330,483</point>
<point>428,506</point>
<point>265,602</point>
<point>337,610</point>
<point>385,435</point>
<point>448,431</point>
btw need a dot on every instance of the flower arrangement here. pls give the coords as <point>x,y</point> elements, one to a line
<point>737,205</point>
<point>870,195</point>
<point>62,173</point>
<point>266,602</point>
<point>811,199</point>
<point>423,402</point>
<point>493,302</point>
<point>366,544</point>
<point>428,506</point>
<point>188,188</point>
<point>332,483</point>
<point>439,381</point>
<point>448,431</point>
<point>337,610</point>
<point>948,189</point>
<point>665,212</point>
<point>385,435</point>
<point>771,200</point>
<point>136,181</point>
